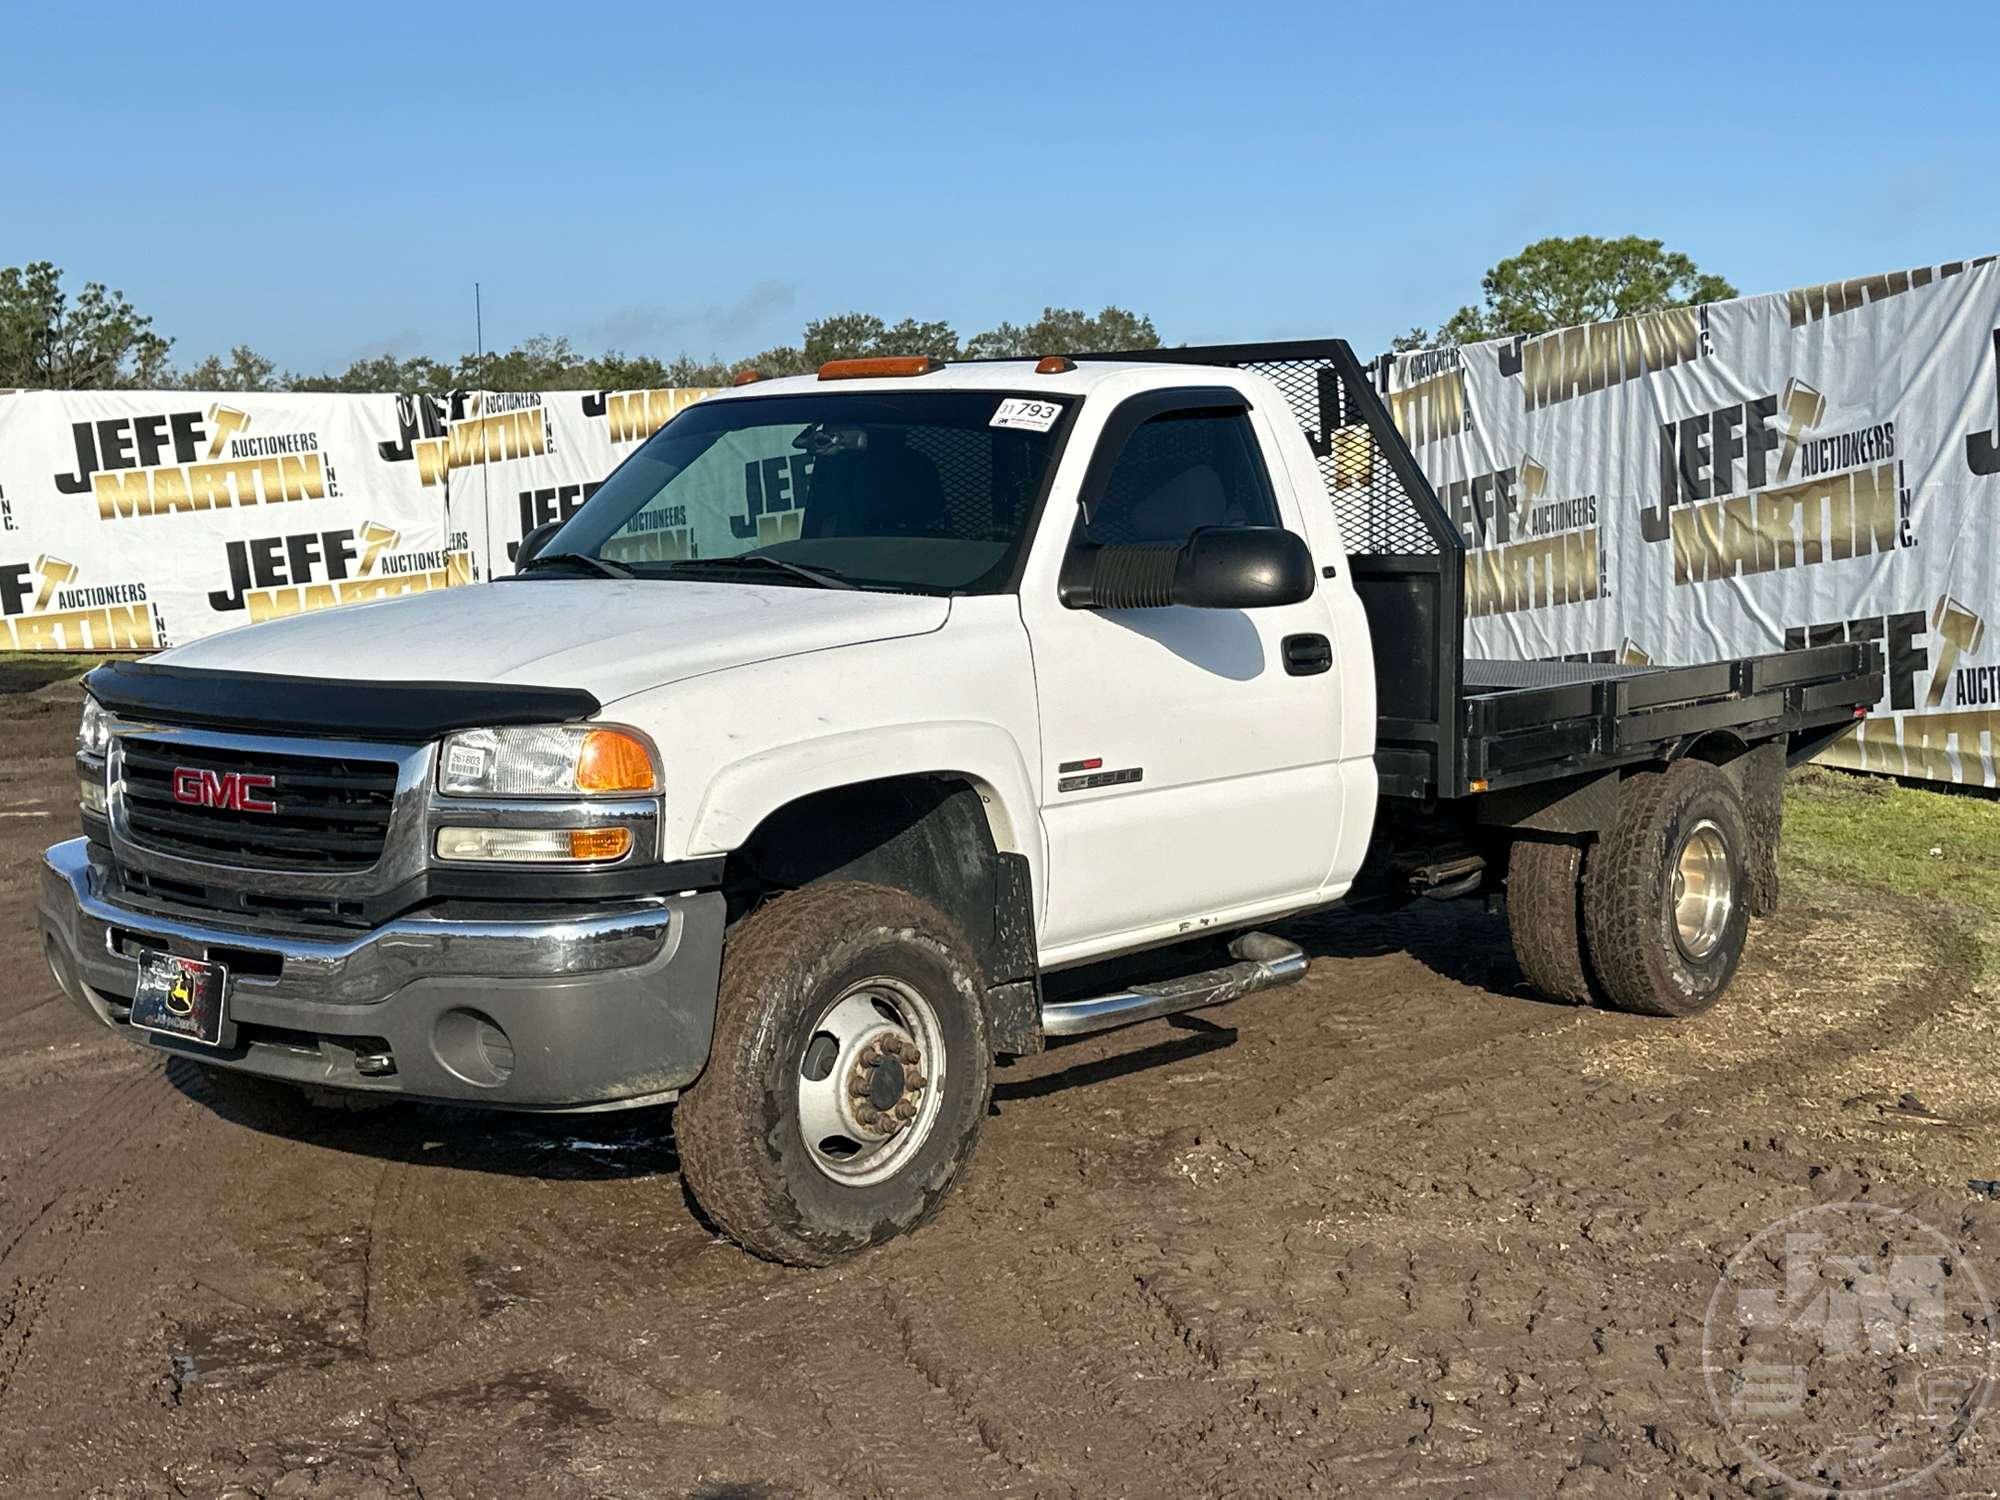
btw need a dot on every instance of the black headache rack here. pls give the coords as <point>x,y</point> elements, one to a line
<point>1447,727</point>
<point>1405,558</point>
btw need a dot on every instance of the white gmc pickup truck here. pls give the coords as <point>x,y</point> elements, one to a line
<point>832,748</point>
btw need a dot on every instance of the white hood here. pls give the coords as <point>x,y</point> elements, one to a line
<point>610,638</point>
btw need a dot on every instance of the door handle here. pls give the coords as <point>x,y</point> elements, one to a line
<point>1307,655</point>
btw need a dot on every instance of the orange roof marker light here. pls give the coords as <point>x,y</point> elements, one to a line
<point>747,377</point>
<point>1054,364</point>
<point>883,367</point>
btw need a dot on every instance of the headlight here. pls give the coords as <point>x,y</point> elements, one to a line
<point>93,741</point>
<point>556,760</point>
<point>93,734</point>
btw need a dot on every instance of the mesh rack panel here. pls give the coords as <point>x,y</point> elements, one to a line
<point>1380,497</point>
<point>988,478</point>
<point>1376,511</point>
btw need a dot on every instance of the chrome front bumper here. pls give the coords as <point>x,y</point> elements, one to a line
<point>577,1010</point>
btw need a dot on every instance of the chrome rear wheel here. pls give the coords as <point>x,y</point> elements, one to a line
<point>1704,890</point>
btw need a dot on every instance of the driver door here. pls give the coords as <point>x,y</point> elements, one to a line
<point>1189,767</point>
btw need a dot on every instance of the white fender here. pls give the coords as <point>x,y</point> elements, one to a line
<point>745,792</point>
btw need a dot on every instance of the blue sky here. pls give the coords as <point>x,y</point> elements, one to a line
<point>325,182</point>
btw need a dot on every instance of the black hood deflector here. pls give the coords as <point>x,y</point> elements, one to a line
<point>330,708</point>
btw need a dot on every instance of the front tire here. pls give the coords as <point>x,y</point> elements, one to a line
<point>1666,891</point>
<point>848,1077</point>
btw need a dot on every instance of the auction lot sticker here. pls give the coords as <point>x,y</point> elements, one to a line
<point>1031,416</point>
<point>1849,1349</point>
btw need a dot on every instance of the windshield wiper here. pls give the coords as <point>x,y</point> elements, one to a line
<point>603,567</point>
<point>825,578</point>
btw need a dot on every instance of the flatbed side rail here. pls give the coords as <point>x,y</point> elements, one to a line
<point>1519,735</point>
<point>1406,558</point>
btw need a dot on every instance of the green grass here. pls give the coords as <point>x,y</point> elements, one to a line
<point>1869,831</point>
<point>24,671</point>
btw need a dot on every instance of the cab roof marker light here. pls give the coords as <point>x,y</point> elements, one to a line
<point>747,377</point>
<point>882,367</point>
<point>1054,364</point>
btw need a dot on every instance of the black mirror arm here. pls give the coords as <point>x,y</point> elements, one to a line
<point>1135,577</point>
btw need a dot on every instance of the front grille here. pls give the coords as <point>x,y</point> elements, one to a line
<point>332,811</point>
<point>255,910</point>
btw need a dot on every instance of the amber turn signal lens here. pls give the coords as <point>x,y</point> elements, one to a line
<point>886,365</point>
<point>600,843</point>
<point>613,761</point>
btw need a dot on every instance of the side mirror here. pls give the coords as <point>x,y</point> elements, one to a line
<point>536,539</point>
<point>1219,567</point>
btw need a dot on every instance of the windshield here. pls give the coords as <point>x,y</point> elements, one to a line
<point>931,491</point>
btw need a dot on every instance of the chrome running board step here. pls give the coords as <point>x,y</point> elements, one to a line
<point>1262,962</point>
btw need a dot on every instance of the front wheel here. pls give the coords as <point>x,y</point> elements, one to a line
<point>1666,891</point>
<point>848,1077</point>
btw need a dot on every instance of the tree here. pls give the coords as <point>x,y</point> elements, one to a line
<point>1556,283</point>
<point>1066,330</point>
<point>245,370</point>
<point>97,341</point>
<point>383,372</point>
<point>851,335</point>
<point>541,363</point>
<point>101,340</point>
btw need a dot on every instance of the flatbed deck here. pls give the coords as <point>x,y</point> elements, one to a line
<point>1531,721</point>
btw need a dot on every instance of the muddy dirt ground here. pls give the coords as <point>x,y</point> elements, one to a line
<point>1399,1228</point>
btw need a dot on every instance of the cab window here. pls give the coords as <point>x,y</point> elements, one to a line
<point>1179,472</point>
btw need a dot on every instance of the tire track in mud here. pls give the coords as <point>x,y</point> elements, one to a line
<point>52,1203</point>
<point>1411,1074</point>
<point>97,1136</point>
<point>999,1412</point>
<point>1260,1266</point>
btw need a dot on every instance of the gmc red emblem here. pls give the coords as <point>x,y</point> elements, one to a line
<point>236,791</point>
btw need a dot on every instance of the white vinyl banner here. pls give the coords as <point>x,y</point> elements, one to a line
<point>1740,478</point>
<point>1674,487</point>
<point>131,520</point>
<point>510,460</point>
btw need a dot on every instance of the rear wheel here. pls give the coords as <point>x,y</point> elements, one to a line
<point>1665,891</point>
<point>1545,918</point>
<point>848,1077</point>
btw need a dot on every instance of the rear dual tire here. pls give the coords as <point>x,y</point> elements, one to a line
<point>1545,919</point>
<point>1652,917</point>
<point>1665,892</point>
